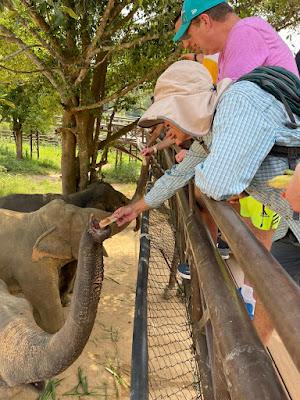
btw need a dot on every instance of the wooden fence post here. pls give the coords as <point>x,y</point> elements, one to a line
<point>30,139</point>
<point>37,144</point>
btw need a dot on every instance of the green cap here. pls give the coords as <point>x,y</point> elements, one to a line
<point>190,10</point>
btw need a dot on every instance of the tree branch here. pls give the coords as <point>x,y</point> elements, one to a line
<point>36,60</point>
<point>123,21</point>
<point>42,24</point>
<point>152,74</point>
<point>117,9</point>
<point>136,42</point>
<point>54,53</point>
<point>118,134</point>
<point>92,46</point>
<point>124,150</point>
<point>16,53</point>
<point>21,71</point>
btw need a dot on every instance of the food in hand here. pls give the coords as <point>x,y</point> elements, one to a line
<point>280,181</point>
<point>107,221</point>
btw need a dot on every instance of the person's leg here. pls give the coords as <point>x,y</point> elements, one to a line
<point>205,215</point>
<point>262,320</point>
<point>265,237</point>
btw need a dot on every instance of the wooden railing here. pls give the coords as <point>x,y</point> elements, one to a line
<point>240,367</point>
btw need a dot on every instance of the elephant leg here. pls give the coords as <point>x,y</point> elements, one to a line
<point>66,281</point>
<point>41,288</point>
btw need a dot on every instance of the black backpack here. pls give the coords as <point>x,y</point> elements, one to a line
<point>285,86</point>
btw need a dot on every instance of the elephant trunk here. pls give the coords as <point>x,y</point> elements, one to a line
<point>30,354</point>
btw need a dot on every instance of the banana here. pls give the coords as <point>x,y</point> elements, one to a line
<point>289,172</point>
<point>280,181</point>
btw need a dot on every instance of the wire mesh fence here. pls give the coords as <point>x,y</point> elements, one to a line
<point>173,371</point>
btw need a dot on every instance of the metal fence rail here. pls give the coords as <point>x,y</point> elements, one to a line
<point>139,376</point>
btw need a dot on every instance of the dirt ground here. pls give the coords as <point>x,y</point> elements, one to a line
<point>105,361</point>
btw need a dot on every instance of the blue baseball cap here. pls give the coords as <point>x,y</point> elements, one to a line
<point>190,10</point>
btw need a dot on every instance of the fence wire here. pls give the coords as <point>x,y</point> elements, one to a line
<point>173,372</point>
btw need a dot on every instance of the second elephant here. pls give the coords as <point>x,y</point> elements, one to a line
<point>98,195</point>
<point>33,249</point>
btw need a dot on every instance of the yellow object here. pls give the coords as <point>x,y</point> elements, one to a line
<point>212,67</point>
<point>280,181</point>
<point>261,216</point>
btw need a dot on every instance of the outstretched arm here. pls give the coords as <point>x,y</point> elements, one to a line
<point>129,213</point>
<point>164,144</point>
<point>164,188</point>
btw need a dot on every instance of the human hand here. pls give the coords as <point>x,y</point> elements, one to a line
<point>292,193</point>
<point>171,133</point>
<point>192,57</point>
<point>125,214</point>
<point>147,151</point>
<point>180,156</point>
<point>236,199</point>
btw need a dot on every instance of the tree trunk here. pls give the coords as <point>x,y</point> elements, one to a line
<point>75,172</point>
<point>69,167</point>
<point>82,123</point>
<point>18,134</point>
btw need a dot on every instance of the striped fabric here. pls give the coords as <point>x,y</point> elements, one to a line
<point>247,124</point>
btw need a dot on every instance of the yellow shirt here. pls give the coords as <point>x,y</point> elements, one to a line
<point>212,67</point>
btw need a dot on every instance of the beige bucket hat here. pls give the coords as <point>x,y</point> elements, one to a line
<point>185,95</point>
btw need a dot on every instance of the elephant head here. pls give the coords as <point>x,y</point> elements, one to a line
<point>27,353</point>
<point>63,225</point>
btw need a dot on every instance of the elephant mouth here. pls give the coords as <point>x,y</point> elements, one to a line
<point>97,233</point>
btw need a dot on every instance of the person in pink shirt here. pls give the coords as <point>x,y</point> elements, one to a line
<point>210,27</point>
<point>243,44</point>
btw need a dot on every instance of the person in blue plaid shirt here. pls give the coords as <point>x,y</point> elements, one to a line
<point>233,158</point>
<point>247,124</point>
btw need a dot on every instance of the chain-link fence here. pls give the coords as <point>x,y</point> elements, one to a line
<point>172,368</point>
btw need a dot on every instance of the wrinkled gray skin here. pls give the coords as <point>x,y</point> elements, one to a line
<point>98,195</point>
<point>33,249</point>
<point>27,353</point>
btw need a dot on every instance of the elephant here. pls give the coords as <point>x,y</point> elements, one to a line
<point>98,195</point>
<point>35,246</point>
<point>30,355</point>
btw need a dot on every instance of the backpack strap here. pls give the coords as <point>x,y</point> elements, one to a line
<point>291,153</point>
<point>283,85</point>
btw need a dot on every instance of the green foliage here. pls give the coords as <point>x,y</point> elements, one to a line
<point>280,13</point>
<point>7,103</point>
<point>33,104</point>
<point>69,11</point>
<point>82,387</point>
<point>49,161</point>
<point>26,176</point>
<point>125,173</point>
<point>16,183</point>
<point>49,393</point>
<point>88,58</point>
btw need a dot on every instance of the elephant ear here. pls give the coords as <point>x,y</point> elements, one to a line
<point>51,245</point>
